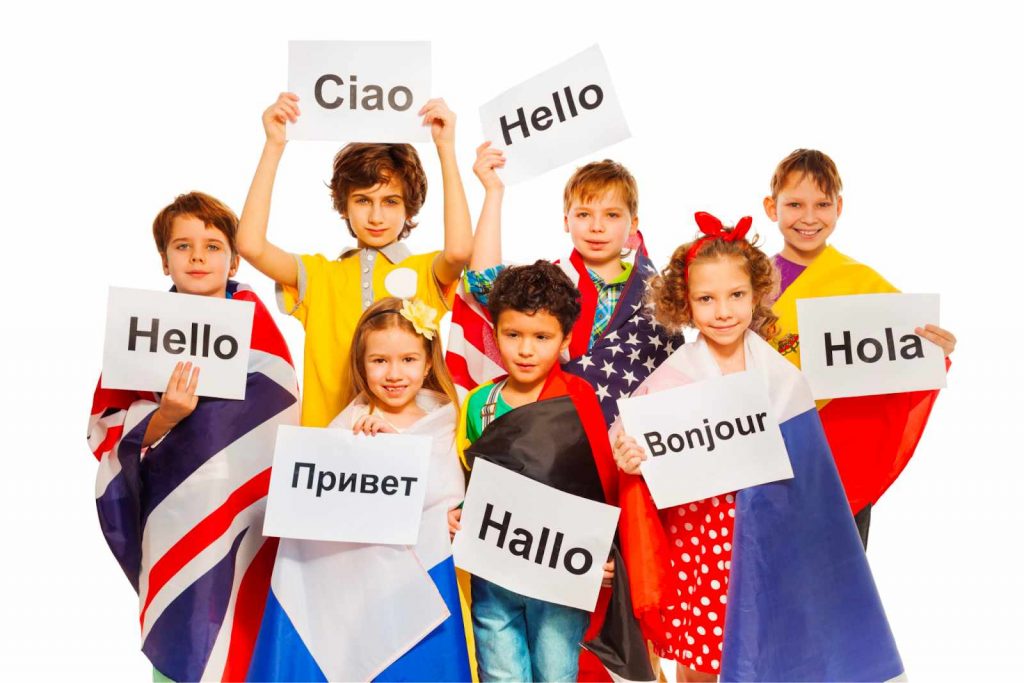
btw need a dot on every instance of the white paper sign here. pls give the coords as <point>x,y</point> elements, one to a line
<point>533,539</point>
<point>332,485</point>
<point>556,117</point>
<point>707,438</point>
<point>359,91</point>
<point>865,344</point>
<point>149,332</point>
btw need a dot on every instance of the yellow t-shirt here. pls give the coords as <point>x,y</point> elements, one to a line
<point>328,301</point>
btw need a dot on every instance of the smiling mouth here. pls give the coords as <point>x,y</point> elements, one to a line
<point>394,390</point>
<point>807,233</point>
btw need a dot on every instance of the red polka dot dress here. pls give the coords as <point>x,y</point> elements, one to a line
<point>700,548</point>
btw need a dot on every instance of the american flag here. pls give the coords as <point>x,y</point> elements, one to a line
<point>622,357</point>
<point>184,517</point>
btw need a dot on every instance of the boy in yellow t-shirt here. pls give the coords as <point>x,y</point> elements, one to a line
<point>377,189</point>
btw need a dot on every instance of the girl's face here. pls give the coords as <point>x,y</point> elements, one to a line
<point>396,363</point>
<point>721,299</point>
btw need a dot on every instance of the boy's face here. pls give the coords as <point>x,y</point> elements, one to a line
<point>198,258</point>
<point>599,228</point>
<point>529,345</point>
<point>377,214</point>
<point>806,216</point>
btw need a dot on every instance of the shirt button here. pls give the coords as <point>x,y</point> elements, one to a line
<point>369,255</point>
<point>366,270</point>
<point>366,303</point>
<point>366,285</point>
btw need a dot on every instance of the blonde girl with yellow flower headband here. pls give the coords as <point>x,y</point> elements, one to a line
<point>399,385</point>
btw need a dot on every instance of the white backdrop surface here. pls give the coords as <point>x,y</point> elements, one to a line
<point>114,108</point>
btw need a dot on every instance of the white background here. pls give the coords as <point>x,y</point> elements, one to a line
<point>110,110</point>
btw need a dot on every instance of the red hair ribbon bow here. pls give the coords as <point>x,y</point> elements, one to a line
<point>713,229</point>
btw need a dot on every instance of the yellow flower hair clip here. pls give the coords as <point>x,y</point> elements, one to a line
<point>422,317</point>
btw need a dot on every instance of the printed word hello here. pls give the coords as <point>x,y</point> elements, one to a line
<point>175,341</point>
<point>589,97</point>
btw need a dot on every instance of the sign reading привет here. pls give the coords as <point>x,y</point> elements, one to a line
<point>555,117</point>
<point>148,333</point>
<point>359,91</point>
<point>707,438</point>
<point>865,344</point>
<point>533,539</point>
<point>332,485</point>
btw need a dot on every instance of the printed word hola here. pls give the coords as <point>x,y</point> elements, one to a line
<point>870,350</point>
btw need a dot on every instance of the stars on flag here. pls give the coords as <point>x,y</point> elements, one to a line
<point>650,364</point>
<point>634,355</point>
<point>633,339</point>
<point>608,369</point>
<point>602,392</point>
<point>615,349</point>
<point>629,377</point>
<point>586,362</point>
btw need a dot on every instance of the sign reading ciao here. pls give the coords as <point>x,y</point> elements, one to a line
<point>533,539</point>
<point>555,117</point>
<point>707,438</point>
<point>149,332</point>
<point>865,344</point>
<point>359,91</point>
<point>331,485</point>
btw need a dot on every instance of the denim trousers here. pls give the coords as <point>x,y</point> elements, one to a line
<point>524,639</point>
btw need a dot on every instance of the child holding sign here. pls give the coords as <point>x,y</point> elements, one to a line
<point>378,190</point>
<point>509,422</point>
<point>872,437</point>
<point>613,345</point>
<point>770,582</point>
<point>182,483</point>
<point>400,385</point>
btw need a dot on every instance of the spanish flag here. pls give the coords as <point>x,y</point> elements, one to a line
<point>872,437</point>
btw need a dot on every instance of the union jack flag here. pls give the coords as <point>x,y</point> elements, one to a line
<point>184,517</point>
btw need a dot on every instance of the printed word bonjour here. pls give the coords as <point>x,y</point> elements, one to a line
<point>659,444</point>
<point>870,350</point>
<point>372,95</point>
<point>522,544</point>
<point>175,341</point>
<point>589,97</point>
<point>354,482</point>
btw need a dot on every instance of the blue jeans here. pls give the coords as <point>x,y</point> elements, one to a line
<point>524,639</point>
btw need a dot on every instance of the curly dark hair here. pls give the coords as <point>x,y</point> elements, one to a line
<point>540,287</point>
<point>669,297</point>
<point>360,165</point>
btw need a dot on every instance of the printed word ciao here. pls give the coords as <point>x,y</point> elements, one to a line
<point>870,350</point>
<point>353,481</point>
<point>369,97</point>
<point>576,561</point>
<point>660,444</point>
<point>542,118</point>
<point>198,342</point>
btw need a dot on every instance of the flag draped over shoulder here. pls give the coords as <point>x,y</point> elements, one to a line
<point>357,611</point>
<point>802,604</point>
<point>184,517</point>
<point>561,441</point>
<point>872,437</point>
<point>628,350</point>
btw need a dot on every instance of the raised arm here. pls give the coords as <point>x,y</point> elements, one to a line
<point>269,259</point>
<point>487,241</point>
<point>458,226</point>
